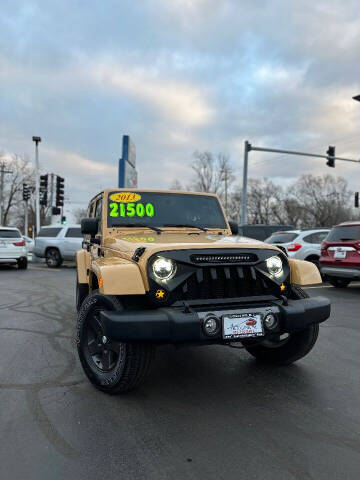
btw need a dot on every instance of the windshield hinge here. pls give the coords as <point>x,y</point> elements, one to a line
<point>137,254</point>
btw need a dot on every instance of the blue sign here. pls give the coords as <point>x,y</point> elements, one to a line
<point>127,164</point>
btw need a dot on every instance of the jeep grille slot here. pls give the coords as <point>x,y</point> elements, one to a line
<point>224,258</point>
<point>224,282</point>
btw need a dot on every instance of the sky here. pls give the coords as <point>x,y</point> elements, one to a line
<point>179,76</point>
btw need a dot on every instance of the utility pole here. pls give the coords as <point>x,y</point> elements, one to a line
<point>244,187</point>
<point>2,174</point>
<point>226,192</point>
<point>37,140</point>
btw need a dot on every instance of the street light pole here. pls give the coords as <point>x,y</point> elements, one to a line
<point>37,140</point>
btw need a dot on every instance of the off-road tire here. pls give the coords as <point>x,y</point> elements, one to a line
<point>53,258</point>
<point>22,263</point>
<point>134,359</point>
<point>338,282</point>
<point>82,291</point>
<point>297,345</point>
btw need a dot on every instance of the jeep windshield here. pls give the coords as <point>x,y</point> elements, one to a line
<point>155,209</point>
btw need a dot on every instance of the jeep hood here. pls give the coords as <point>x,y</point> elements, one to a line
<point>127,244</point>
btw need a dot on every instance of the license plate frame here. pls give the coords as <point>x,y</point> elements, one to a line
<point>239,330</point>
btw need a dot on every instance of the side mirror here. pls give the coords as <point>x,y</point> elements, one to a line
<point>89,226</point>
<point>234,227</point>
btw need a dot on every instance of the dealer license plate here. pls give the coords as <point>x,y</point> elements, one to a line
<point>339,254</point>
<point>242,325</point>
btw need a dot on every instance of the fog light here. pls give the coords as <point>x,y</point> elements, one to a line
<point>270,321</point>
<point>211,326</point>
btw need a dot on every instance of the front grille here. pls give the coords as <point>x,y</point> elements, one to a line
<point>224,282</point>
<point>232,258</point>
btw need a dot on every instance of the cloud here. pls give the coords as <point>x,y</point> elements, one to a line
<point>178,101</point>
<point>179,76</point>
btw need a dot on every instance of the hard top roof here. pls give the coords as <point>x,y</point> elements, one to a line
<point>154,190</point>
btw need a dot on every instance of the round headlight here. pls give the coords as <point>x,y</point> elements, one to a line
<point>275,266</point>
<point>164,268</point>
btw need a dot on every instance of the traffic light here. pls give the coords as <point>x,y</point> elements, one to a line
<point>56,210</point>
<point>63,220</point>
<point>26,192</point>
<point>357,199</point>
<point>44,182</point>
<point>44,179</point>
<point>59,191</point>
<point>331,154</point>
<point>43,198</point>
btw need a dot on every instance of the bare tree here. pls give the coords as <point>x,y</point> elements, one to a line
<point>212,173</point>
<point>14,206</point>
<point>264,200</point>
<point>79,214</point>
<point>323,200</point>
<point>22,172</point>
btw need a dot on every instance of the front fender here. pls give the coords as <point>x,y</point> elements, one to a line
<point>303,273</point>
<point>117,276</point>
<point>82,265</point>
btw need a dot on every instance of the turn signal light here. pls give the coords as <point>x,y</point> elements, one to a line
<point>294,247</point>
<point>19,244</point>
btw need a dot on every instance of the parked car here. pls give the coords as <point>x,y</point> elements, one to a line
<point>300,244</point>
<point>12,247</point>
<point>260,232</point>
<point>58,243</point>
<point>340,254</point>
<point>29,243</point>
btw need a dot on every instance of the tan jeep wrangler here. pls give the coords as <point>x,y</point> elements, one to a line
<point>166,267</point>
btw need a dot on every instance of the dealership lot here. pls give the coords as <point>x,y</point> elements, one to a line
<point>209,412</point>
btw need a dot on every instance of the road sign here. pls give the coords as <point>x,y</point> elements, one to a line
<point>127,164</point>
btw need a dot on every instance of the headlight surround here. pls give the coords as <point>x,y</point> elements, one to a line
<point>163,268</point>
<point>275,266</point>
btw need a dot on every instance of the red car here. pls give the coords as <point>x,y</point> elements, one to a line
<point>340,254</point>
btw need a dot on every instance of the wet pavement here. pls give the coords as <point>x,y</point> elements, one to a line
<point>203,413</point>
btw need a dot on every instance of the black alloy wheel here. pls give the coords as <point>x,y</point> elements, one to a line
<point>103,352</point>
<point>111,366</point>
<point>53,258</point>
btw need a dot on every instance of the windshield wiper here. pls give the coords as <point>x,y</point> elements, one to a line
<point>346,239</point>
<point>185,226</point>
<point>156,229</point>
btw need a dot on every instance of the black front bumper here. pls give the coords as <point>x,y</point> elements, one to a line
<point>181,324</point>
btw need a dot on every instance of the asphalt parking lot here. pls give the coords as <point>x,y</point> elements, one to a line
<point>203,413</point>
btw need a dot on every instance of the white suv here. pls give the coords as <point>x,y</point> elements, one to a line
<point>56,243</point>
<point>13,248</point>
<point>300,244</point>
